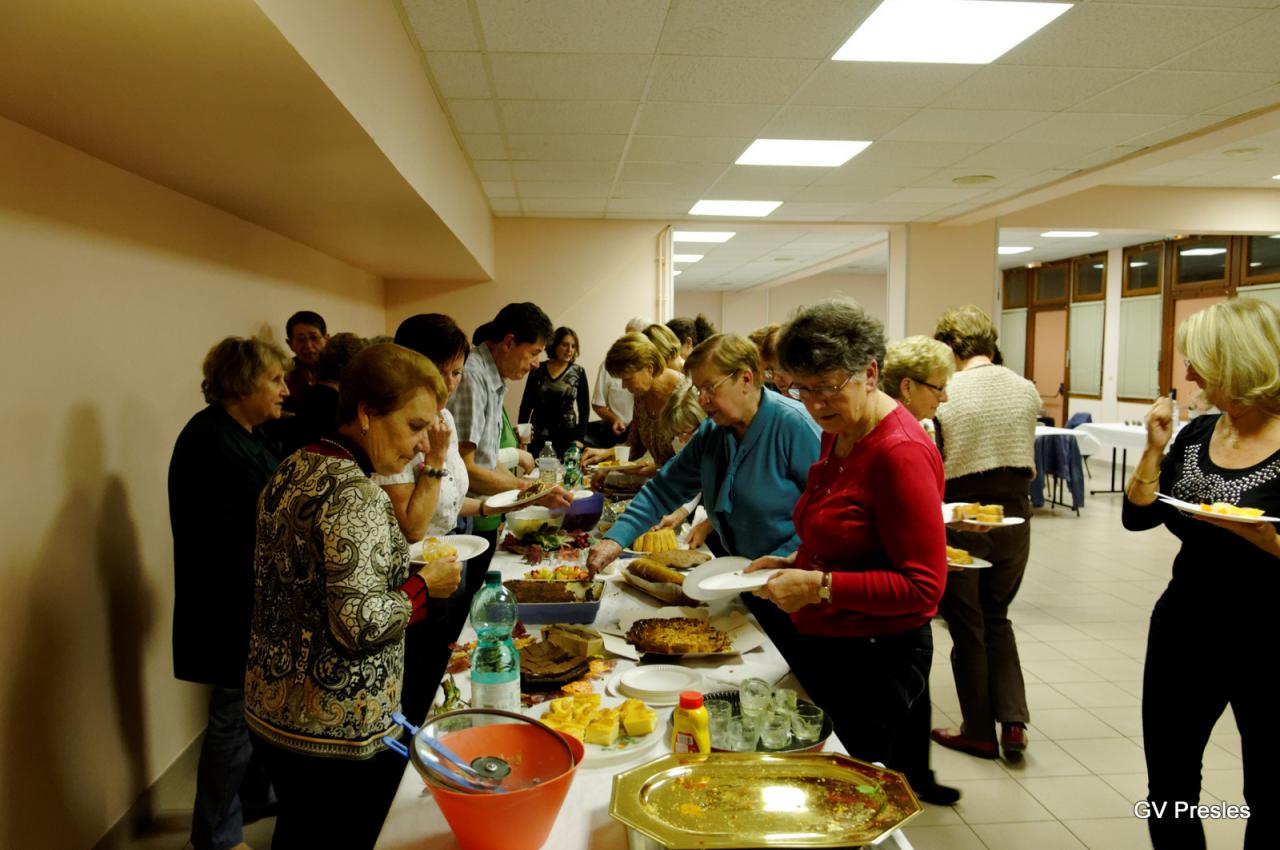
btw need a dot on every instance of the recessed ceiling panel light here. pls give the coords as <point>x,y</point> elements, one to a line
<point>1203,252</point>
<point>702,235</point>
<point>1013,249</point>
<point>1275,176</point>
<point>675,273</point>
<point>970,32</point>
<point>1069,234</point>
<point>755,209</point>
<point>811,152</point>
<point>687,258</point>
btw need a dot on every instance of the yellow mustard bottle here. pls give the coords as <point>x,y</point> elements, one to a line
<point>691,728</point>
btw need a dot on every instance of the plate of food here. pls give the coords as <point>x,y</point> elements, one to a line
<point>684,632</point>
<point>962,558</point>
<point>544,543</point>
<point>694,578</point>
<point>977,513</point>
<point>1218,510</point>
<point>463,546</point>
<point>737,580</point>
<point>662,540</point>
<point>612,729</point>
<point>657,580</point>
<point>519,498</point>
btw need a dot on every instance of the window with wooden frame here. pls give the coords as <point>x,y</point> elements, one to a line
<point>1201,261</point>
<point>1015,287</point>
<point>1143,271</point>
<point>1260,259</point>
<point>1089,278</point>
<point>1051,283</point>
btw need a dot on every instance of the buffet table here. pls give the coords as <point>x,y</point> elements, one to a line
<point>415,821</point>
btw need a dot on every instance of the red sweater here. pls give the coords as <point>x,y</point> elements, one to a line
<point>874,520</point>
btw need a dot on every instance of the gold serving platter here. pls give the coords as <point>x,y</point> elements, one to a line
<point>751,800</point>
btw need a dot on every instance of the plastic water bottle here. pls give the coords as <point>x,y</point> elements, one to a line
<point>495,663</point>
<point>548,464</point>
<point>572,467</point>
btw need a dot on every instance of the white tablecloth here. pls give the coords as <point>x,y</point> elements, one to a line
<point>415,821</point>
<point>1116,435</point>
<point>1089,444</point>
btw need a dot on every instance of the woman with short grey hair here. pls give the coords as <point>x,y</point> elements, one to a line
<point>872,563</point>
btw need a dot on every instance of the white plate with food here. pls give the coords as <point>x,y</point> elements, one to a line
<point>961,558</point>
<point>950,515</point>
<point>623,747</point>
<point>464,545</point>
<point>1218,510</point>
<point>519,498</point>
<point>737,580</point>
<point>716,566</point>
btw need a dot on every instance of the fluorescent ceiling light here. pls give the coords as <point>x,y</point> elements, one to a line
<point>1069,234</point>
<point>1255,264</point>
<point>1274,236</point>
<point>675,273</point>
<point>1203,252</point>
<point>702,235</point>
<point>815,153</point>
<point>1275,176</point>
<point>1013,249</point>
<point>755,209</point>
<point>687,258</point>
<point>969,32</point>
<point>1097,265</point>
<point>1137,264</point>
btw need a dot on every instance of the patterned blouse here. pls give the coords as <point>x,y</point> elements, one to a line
<point>326,647</point>
<point>647,431</point>
<point>558,407</point>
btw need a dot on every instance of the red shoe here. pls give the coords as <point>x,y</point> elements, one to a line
<point>1013,737</point>
<point>965,744</point>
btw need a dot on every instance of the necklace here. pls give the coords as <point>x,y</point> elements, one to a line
<point>346,451</point>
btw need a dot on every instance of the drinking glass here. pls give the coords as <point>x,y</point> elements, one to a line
<point>806,722</point>
<point>775,733</point>
<point>784,699</point>
<point>754,695</point>
<point>740,734</point>
<point>718,713</point>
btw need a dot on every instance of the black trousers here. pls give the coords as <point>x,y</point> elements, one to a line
<point>1195,667</point>
<point>330,802</point>
<point>876,691</point>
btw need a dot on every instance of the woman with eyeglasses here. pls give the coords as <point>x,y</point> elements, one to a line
<point>871,566</point>
<point>916,372</point>
<point>987,437</point>
<point>748,459</point>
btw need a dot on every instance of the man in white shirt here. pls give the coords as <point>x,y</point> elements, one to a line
<point>612,403</point>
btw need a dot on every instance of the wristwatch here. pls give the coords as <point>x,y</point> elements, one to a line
<point>824,591</point>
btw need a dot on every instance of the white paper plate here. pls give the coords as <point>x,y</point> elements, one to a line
<point>658,681</point>
<point>513,499</point>
<point>626,748</point>
<point>694,578</point>
<point>978,564</point>
<point>1189,508</point>
<point>468,546</point>
<point>612,689</point>
<point>948,517</point>
<point>738,580</point>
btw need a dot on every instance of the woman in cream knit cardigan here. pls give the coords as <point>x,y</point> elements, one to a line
<point>986,431</point>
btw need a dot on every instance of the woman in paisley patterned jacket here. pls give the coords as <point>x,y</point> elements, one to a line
<point>334,594</point>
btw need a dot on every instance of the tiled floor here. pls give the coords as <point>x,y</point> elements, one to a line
<point>1081,620</point>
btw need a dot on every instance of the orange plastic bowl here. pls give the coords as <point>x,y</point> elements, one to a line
<point>482,821</point>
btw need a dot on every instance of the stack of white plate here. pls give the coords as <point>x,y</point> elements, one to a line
<point>659,684</point>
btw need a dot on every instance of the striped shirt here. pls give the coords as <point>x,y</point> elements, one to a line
<point>477,406</point>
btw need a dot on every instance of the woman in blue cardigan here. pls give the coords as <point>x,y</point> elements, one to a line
<point>749,459</point>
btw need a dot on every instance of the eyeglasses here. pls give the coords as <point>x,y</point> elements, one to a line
<point>934,387</point>
<point>821,392</point>
<point>710,389</point>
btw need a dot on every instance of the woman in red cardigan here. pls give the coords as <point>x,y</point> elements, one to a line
<point>872,562</point>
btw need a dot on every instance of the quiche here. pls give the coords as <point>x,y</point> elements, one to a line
<point>677,636</point>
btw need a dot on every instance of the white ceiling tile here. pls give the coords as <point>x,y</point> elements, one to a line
<point>1082,128</point>
<point>826,210</point>
<point>686,193</point>
<point>1260,99</point>
<point>569,207</point>
<point>773,175</point>
<point>473,116</point>
<point>483,145</point>
<point>1251,47</point>
<point>707,79</point>
<point>855,174</point>
<point>505,206</point>
<point>673,149</point>
<point>703,119</point>
<point>1175,92</point>
<point>1241,4</point>
<point>828,122</point>
<point>762,27</point>
<point>561,116</point>
<point>565,148</point>
<point>546,76</point>
<point>843,194</point>
<point>944,178</point>
<point>548,189</point>
<point>441,24</point>
<point>894,212</point>
<point>600,172</point>
<point>723,191</point>
<point>648,206</point>
<point>938,154</point>
<point>492,169</point>
<point>1175,130</point>
<point>1042,89</point>
<point>459,75</point>
<point>971,125</point>
<point>892,84</point>
<point>671,172</point>
<point>572,26</point>
<point>499,188</point>
<point>1009,155</point>
<point>1099,35</point>
<point>1096,157</point>
<point>934,196</point>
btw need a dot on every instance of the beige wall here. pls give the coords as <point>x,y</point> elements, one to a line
<point>709,304</point>
<point>114,288</point>
<point>590,275</point>
<point>1157,209</point>
<point>948,267</point>
<point>743,312</point>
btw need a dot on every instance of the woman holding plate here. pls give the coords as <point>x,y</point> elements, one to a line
<point>872,562</point>
<point>1210,629</point>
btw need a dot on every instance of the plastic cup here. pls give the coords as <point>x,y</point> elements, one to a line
<point>525,431</point>
<point>775,732</point>
<point>806,722</point>
<point>622,453</point>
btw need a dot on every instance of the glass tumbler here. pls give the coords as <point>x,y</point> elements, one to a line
<point>719,711</point>
<point>754,695</point>
<point>806,722</point>
<point>784,699</point>
<point>775,732</point>
<point>740,735</point>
